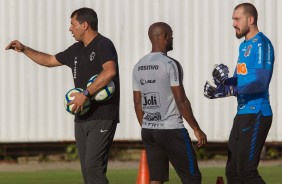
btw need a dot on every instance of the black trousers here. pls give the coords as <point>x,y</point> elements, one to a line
<point>93,140</point>
<point>245,144</point>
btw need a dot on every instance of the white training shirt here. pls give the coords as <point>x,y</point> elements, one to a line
<point>153,76</point>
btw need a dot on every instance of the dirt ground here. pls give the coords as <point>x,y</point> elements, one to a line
<point>35,166</point>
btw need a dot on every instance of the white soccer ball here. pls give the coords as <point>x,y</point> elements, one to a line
<point>69,98</point>
<point>103,94</point>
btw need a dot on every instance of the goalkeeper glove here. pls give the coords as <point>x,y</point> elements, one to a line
<point>220,73</point>
<point>219,91</point>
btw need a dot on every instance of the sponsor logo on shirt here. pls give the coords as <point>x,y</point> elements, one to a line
<point>259,53</point>
<point>247,50</point>
<point>154,125</point>
<point>153,116</point>
<point>74,68</point>
<point>151,100</point>
<point>143,81</point>
<point>242,68</point>
<point>148,67</point>
<point>92,56</point>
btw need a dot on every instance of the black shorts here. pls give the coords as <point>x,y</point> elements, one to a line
<point>172,145</point>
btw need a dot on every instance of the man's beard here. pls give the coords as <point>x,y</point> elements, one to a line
<point>240,35</point>
<point>169,47</point>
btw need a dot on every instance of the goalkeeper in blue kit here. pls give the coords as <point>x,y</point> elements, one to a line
<point>250,84</point>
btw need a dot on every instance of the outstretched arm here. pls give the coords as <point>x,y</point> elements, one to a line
<point>36,56</point>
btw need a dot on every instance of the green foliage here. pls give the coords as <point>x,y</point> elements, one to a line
<point>202,154</point>
<point>9,159</point>
<point>71,152</point>
<point>5,157</point>
<point>272,153</point>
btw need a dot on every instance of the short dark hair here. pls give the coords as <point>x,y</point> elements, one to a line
<point>86,15</point>
<point>250,10</point>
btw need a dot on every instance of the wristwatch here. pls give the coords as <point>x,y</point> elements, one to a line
<point>86,93</point>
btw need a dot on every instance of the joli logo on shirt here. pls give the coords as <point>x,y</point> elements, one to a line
<point>151,100</point>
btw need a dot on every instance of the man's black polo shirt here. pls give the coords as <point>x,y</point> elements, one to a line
<point>86,62</point>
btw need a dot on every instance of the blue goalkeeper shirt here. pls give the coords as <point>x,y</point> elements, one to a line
<point>253,72</point>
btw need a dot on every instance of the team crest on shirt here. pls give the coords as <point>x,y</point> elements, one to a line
<point>247,50</point>
<point>92,56</point>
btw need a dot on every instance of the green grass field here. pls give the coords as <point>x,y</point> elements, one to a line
<point>272,175</point>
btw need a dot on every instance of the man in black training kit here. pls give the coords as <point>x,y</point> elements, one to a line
<point>92,54</point>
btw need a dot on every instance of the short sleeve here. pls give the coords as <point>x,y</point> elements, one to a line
<point>107,52</point>
<point>66,57</point>
<point>135,85</point>
<point>175,74</point>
